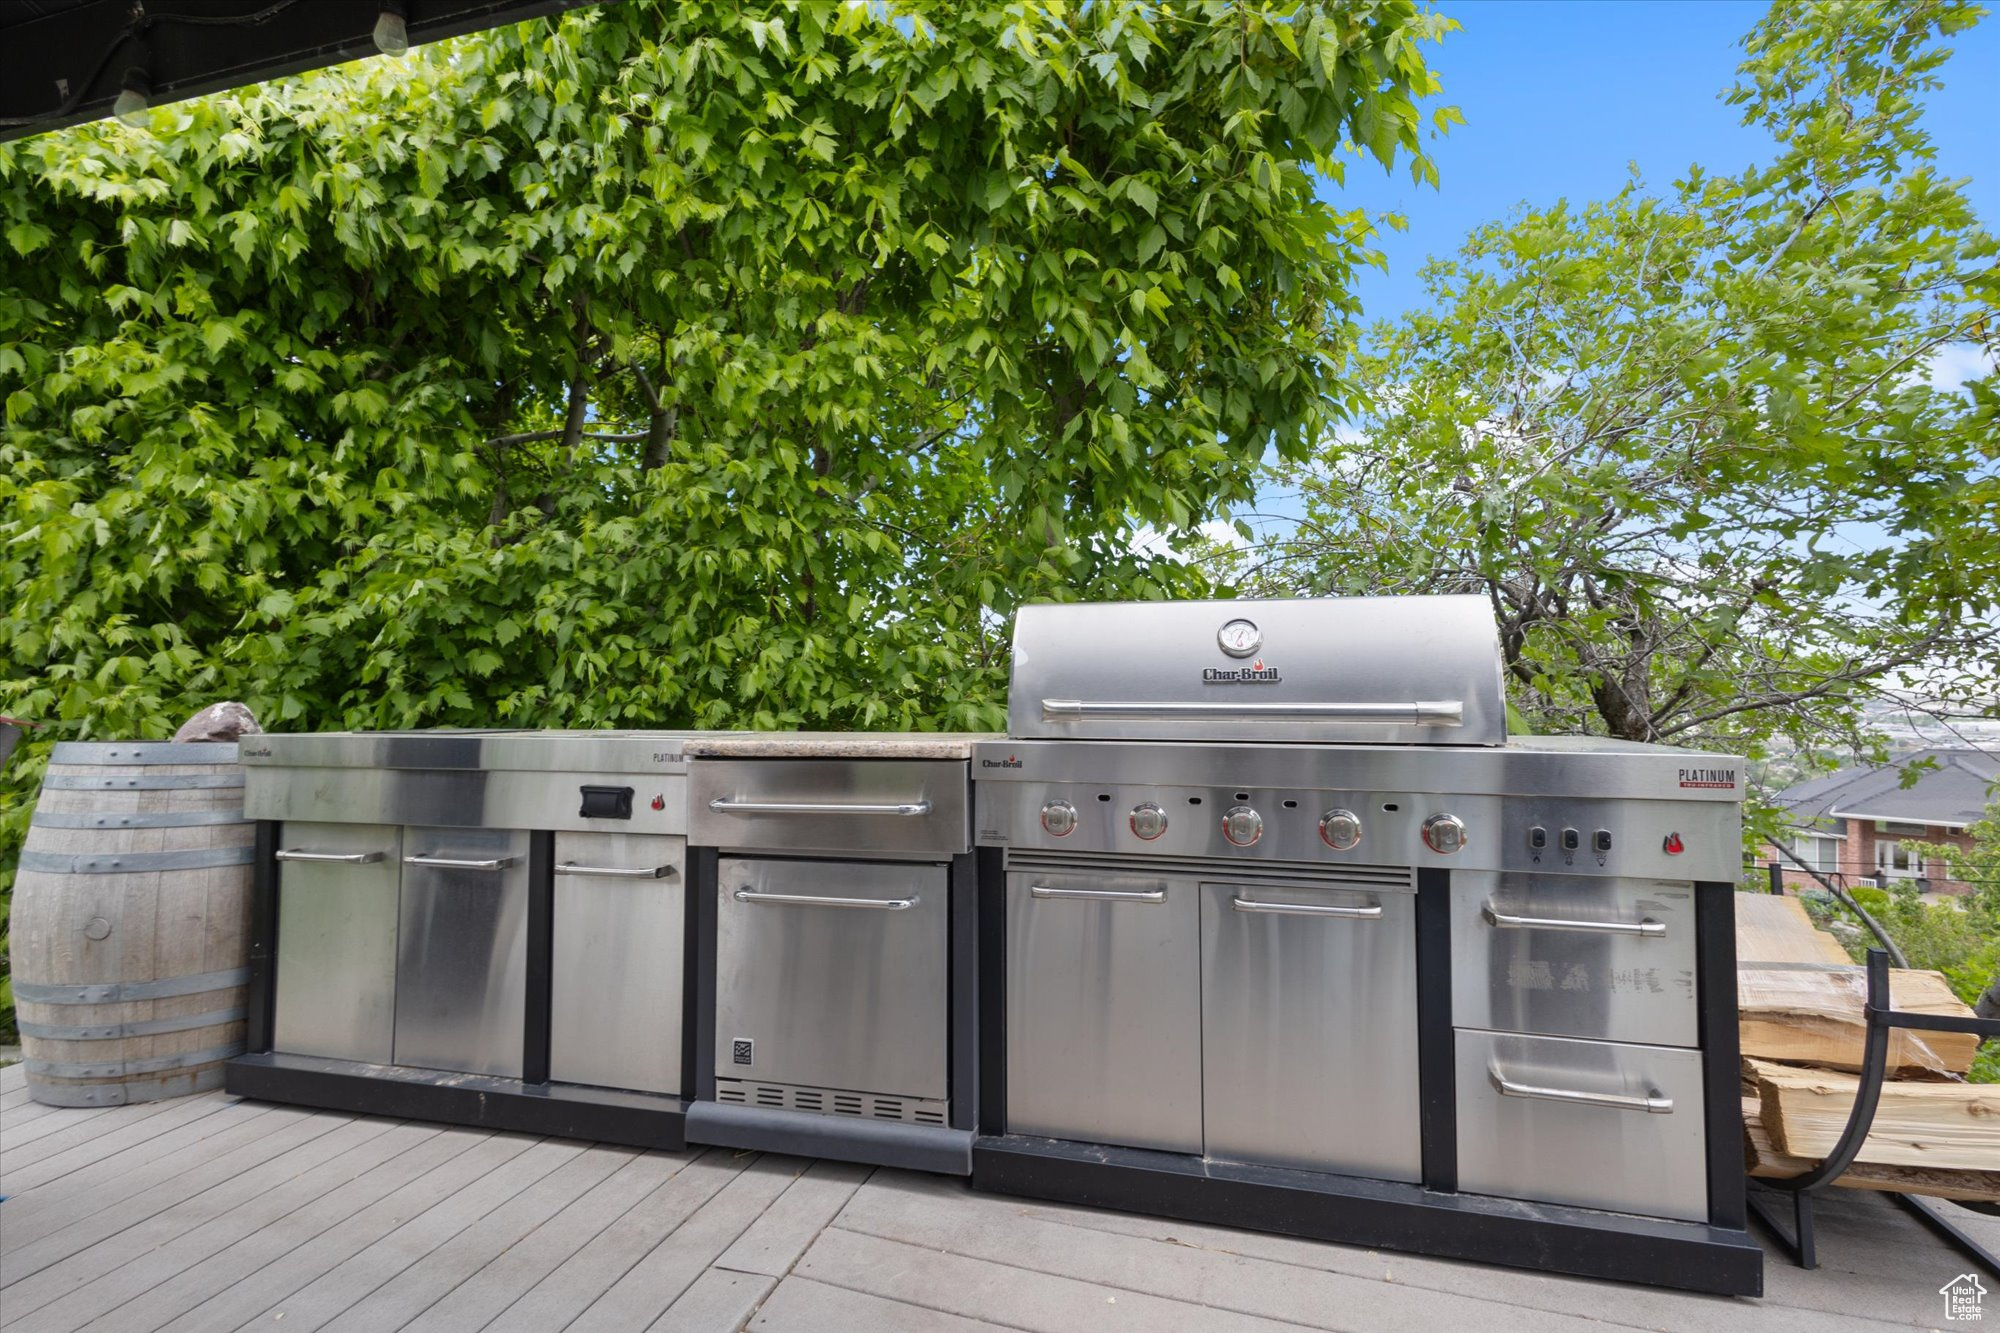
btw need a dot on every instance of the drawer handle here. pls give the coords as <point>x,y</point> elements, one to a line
<point>1653,1104</point>
<point>329,858</point>
<point>614,872</point>
<point>1652,930</point>
<point>460,863</point>
<point>725,805</point>
<point>1371,913</point>
<point>1102,895</point>
<point>814,900</point>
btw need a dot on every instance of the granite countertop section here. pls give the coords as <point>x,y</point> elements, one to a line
<point>835,745</point>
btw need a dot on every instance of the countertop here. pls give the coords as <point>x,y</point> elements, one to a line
<point>835,744</point>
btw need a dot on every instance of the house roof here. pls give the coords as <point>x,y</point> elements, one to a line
<point>1953,788</point>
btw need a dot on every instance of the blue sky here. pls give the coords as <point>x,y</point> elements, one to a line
<point>1560,95</point>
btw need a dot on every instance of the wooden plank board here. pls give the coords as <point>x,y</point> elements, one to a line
<point>1815,1016</point>
<point>13,1147</point>
<point>484,1296</point>
<point>719,1298</point>
<point>335,1291</point>
<point>320,1195</point>
<point>775,1241</point>
<point>86,1143</point>
<point>127,1266</point>
<point>1762,1158</point>
<point>135,1219</point>
<point>654,1283</point>
<point>1020,1295</point>
<point>99,1200</point>
<point>247,1279</point>
<point>1124,1266</point>
<point>800,1305</point>
<point>433,1277</point>
<point>561,1296</point>
<point>13,1076</point>
<point>1942,1126</point>
<point>1773,929</point>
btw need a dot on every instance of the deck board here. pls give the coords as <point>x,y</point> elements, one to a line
<point>209,1213</point>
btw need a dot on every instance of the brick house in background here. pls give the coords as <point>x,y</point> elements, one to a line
<point>1858,823</point>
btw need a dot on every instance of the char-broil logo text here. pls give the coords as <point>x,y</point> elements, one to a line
<point>1709,777</point>
<point>1254,674</point>
<point>260,751</point>
<point>1011,761</point>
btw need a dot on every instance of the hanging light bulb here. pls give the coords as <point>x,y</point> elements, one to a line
<point>134,105</point>
<point>392,29</point>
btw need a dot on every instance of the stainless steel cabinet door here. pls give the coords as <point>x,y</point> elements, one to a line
<point>1594,1123</point>
<point>1309,1028</point>
<point>1104,1008</point>
<point>617,964</point>
<point>834,974</point>
<point>1574,956</point>
<point>336,982</point>
<point>462,951</point>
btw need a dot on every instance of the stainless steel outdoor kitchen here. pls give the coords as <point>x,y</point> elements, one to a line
<point>1255,916</point>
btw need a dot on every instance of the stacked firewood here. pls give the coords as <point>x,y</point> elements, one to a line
<point>1802,1029</point>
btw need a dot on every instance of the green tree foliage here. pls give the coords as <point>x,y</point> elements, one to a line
<point>673,364</point>
<point>1686,440</point>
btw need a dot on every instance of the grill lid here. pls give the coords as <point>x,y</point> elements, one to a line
<point>1359,670</point>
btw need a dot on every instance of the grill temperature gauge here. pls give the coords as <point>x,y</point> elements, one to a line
<point>1059,818</point>
<point>1242,825</point>
<point>1340,829</point>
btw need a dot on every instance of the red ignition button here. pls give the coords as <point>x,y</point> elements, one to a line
<point>1673,846</point>
<point>659,802</point>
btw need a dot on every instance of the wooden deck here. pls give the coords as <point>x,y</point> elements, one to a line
<point>210,1213</point>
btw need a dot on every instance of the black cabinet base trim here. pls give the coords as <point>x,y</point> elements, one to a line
<point>844,1138</point>
<point>1381,1214</point>
<point>600,1115</point>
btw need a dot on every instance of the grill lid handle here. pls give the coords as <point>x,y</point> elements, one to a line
<point>1421,713</point>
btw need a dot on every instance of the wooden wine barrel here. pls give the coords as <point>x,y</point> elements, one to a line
<point>131,923</point>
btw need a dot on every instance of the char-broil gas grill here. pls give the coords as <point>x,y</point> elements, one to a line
<point>1292,936</point>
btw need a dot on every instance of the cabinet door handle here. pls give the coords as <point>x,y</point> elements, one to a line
<point>814,900</point>
<point>1653,1103</point>
<point>460,863</point>
<point>1101,895</point>
<point>1651,930</point>
<point>726,805</point>
<point>614,872</point>
<point>1372,912</point>
<point>329,858</point>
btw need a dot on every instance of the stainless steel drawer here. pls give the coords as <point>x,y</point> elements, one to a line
<point>1570,956</point>
<point>871,807</point>
<point>1104,1008</point>
<point>462,951</point>
<point>336,971</point>
<point>1593,1123</point>
<point>1309,1027</point>
<point>832,975</point>
<point>617,964</point>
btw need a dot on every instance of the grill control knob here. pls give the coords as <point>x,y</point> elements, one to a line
<point>1148,821</point>
<point>1059,818</point>
<point>1340,829</point>
<point>1444,834</point>
<point>1242,825</point>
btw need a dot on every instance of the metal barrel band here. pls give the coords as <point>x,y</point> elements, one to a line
<point>130,1092</point>
<point>114,1068</point>
<point>151,1027</point>
<point>119,992</point>
<point>143,752</point>
<point>133,819</point>
<point>135,863</point>
<point>143,782</point>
